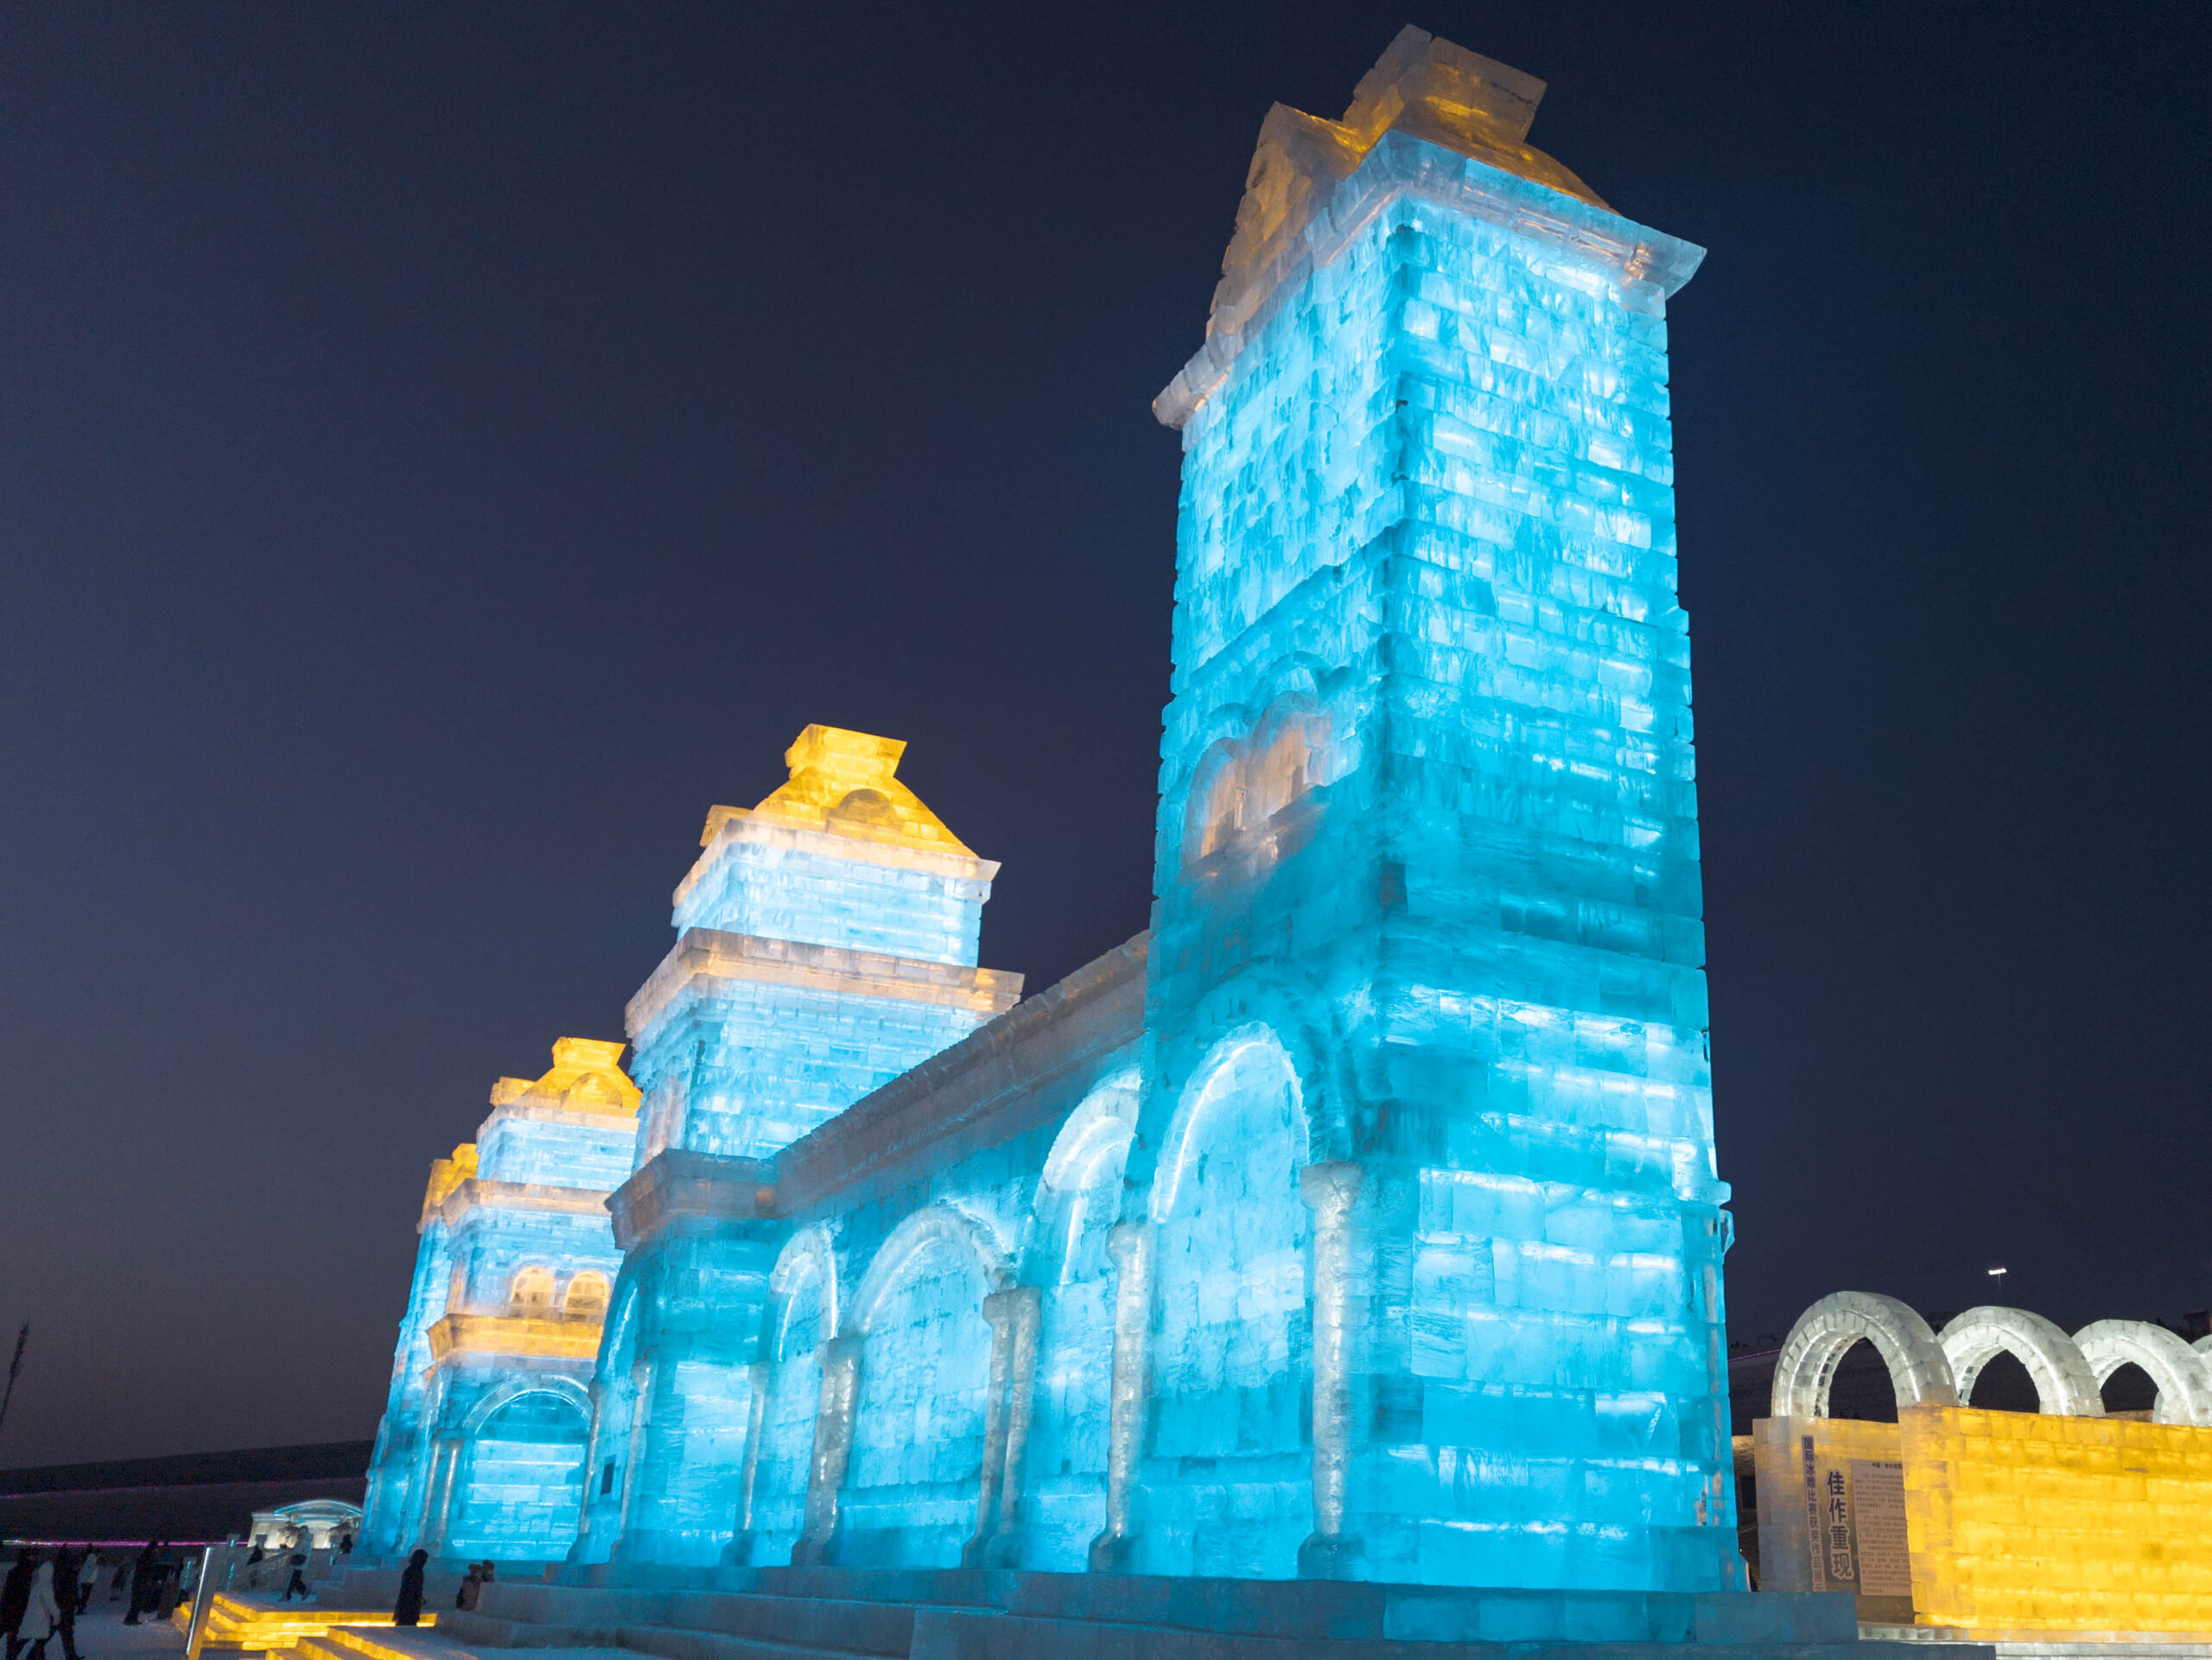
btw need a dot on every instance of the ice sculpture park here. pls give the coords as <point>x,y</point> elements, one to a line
<point>1360,1220</point>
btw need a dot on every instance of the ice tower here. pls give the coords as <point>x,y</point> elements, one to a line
<point>1426,1013</point>
<point>481,1453</point>
<point>826,944</point>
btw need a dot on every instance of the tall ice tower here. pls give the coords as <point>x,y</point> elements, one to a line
<point>1426,1008</point>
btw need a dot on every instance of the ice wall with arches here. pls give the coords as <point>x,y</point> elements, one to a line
<point>1361,1219</point>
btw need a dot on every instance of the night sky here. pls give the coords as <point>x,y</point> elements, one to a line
<point>442,452</point>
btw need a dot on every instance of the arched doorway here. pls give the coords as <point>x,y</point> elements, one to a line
<point>916,1470</point>
<point>804,1316</point>
<point>522,1480</point>
<point>1227,1472</point>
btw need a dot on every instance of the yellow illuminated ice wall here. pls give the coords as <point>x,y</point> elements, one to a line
<point>2027,1526</point>
<point>481,1453</point>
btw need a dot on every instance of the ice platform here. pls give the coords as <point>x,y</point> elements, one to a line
<point>832,1613</point>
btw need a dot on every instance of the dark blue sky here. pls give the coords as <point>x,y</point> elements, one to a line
<point>442,451</point>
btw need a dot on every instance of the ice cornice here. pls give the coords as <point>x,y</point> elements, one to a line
<point>706,958</point>
<point>1434,121</point>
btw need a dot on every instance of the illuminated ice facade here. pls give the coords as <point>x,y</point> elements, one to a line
<point>1362,1219</point>
<point>481,1449</point>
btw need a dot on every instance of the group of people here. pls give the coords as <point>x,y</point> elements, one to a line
<point>45,1591</point>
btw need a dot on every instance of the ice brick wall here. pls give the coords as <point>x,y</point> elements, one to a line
<point>1429,829</point>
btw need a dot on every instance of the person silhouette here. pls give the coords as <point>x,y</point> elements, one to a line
<point>408,1609</point>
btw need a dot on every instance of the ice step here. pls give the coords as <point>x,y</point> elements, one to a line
<point>538,1616</point>
<point>669,1643</point>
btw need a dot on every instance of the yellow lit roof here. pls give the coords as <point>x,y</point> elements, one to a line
<point>446,1175</point>
<point>1460,99</point>
<point>842,782</point>
<point>586,1077</point>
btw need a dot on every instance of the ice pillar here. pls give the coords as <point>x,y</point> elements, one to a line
<point>1130,1245</point>
<point>1330,1191</point>
<point>826,943</point>
<point>833,1450</point>
<point>1014,1316</point>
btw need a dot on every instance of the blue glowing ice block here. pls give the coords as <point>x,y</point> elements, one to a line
<point>827,943</point>
<point>1427,1013</point>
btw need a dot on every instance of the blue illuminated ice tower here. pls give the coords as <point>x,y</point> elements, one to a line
<point>826,944</point>
<point>1426,1015</point>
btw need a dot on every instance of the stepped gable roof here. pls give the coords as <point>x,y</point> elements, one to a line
<point>844,783</point>
<point>586,1077</point>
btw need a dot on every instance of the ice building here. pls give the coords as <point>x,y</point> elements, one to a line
<point>481,1453</point>
<point>1361,1219</point>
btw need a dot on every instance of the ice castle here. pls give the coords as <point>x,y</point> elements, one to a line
<point>1360,1219</point>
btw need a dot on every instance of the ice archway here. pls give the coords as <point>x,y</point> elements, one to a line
<point>1919,1372</point>
<point>2065,1385</point>
<point>2185,1389</point>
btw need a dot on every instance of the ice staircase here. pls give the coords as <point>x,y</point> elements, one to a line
<point>828,1613</point>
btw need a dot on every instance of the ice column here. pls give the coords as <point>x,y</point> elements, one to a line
<point>740,1545</point>
<point>826,943</point>
<point>833,1449</point>
<point>1015,1315</point>
<point>1130,1245</point>
<point>1330,1191</point>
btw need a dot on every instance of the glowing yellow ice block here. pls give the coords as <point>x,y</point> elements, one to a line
<point>251,1623</point>
<point>567,1337</point>
<point>2030,1523</point>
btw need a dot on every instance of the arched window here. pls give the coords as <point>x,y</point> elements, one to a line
<point>1252,789</point>
<point>531,1293</point>
<point>587,1297</point>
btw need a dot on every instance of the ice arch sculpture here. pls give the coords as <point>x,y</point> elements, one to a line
<point>801,1315</point>
<point>938,1224</point>
<point>2184,1391</point>
<point>2065,1386</point>
<point>1919,1372</point>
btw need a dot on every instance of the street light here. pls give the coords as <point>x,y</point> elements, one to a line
<point>1998,1274</point>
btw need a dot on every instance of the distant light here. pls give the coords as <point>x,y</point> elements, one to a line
<point>1996,1273</point>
